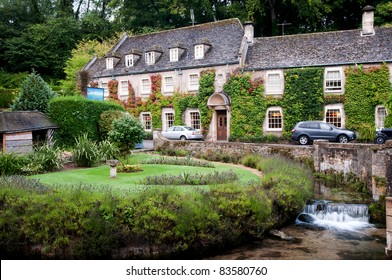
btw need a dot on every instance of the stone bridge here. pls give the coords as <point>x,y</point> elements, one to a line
<point>369,162</point>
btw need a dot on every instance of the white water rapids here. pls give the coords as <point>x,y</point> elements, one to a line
<point>340,216</point>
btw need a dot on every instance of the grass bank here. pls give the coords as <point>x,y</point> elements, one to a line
<point>79,222</point>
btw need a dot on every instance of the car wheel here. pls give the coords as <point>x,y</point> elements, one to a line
<point>343,139</point>
<point>303,140</point>
<point>182,138</point>
<point>380,140</point>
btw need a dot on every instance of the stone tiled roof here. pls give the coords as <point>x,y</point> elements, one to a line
<point>20,121</point>
<point>223,38</point>
<point>320,49</point>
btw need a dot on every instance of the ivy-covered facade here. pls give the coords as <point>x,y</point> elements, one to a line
<point>219,78</point>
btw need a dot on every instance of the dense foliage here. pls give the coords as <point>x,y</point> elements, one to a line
<point>77,115</point>
<point>303,98</point>
<point>365,89</point>
<point>84,223</point>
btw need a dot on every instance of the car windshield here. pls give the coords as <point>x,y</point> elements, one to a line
<point>189,128</point>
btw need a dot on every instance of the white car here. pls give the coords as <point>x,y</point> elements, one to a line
<point>182,133</point>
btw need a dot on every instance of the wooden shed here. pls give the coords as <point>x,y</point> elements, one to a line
<point>21,129</point>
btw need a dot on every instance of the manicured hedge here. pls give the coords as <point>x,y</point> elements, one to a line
<point>77,115</point>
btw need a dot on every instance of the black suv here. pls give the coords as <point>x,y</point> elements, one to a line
<point>305,132</point>
<point>383,135</point>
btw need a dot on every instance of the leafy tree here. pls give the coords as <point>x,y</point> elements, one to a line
<point>80,56</point>
<point>44,47</point>
<point>383,14</point>
<point>34,95</point>
<point>126,132</point>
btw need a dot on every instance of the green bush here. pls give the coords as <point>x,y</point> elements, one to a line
<point>85,152</point>
<point>126,132</point>
<point>251,160</point>
<point>105,122</point>
<point>188,161</point>
<point>77,115</point>
<point>7,97</point>
<point>11,164</point>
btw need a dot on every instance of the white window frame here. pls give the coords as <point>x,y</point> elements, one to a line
<point>199,51</point>
<point>129,60</point>
<point>342,116</point>
<point>123,88</point>
<point>274,82</point>
<point>145,86</point>
<point>379,120</point>
<point>109,63</point>
<point>105,87</point>
<point>149,58</point>
<point>145,121</point>
<point>168,87</point>
<point>193,83</point>
<point>334,84</point>
<point>174,54</point>
<point>267,124</point>
<point>167,119</point>
<point>195,122</point>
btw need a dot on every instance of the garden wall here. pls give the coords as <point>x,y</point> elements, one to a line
<point>372,163</point>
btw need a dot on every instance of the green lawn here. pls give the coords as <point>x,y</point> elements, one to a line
<point>98,177</point>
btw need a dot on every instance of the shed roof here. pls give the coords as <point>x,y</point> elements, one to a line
<point>21,121</point>
<point>320,49</point>
<point>224,38</point>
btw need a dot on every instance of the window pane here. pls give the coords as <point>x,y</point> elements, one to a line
<point>146,86</point>
<point>333,81</point>
<point>169,119</point>
<point>109,63</point>
<point>169,84</point>
<point>274,83</point>
<point>334,117</point>
<point>150,58</point>
<point>174,54</point>
<point>199,51</point>
<point>146,119</point>
<point>195,120</point>
<point>381,115</point>
<point>274,119</point>
<point>129,60</point>
<point>193,82</point>
<point>124,88</point>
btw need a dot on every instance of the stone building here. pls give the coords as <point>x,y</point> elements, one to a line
<point>180,55</point>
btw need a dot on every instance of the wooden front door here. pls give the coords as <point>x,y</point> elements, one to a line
<point>221,125</point>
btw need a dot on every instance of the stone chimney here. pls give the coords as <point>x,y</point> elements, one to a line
<point>249,31</point>
<point>367,21</point>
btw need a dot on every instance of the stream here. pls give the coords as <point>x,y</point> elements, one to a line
<point>325,230</point>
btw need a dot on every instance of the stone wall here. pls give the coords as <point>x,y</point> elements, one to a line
<point>388,249</point>
<point>369,162</point>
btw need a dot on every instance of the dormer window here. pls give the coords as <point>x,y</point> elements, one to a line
<point>173,54</point>
<point>199,51</point>
<point>109,63</point>
<point>129,60</point>
<point>149,58</point>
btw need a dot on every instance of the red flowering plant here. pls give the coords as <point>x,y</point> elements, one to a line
<point>113,89</point>
<point>156,84</point>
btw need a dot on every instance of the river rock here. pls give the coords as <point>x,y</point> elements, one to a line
<point>306,218</point>
<point>280,234</point>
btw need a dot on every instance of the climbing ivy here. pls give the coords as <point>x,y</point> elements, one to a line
<point>303,98</point>
<point>179,102</point>
<point>248,106</point>
<point>365,89</point>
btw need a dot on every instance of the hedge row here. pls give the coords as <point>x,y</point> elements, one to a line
<point>38,221</point>
<point>76,115</point>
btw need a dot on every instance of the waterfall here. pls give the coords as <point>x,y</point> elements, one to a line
<point>336,215</point>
